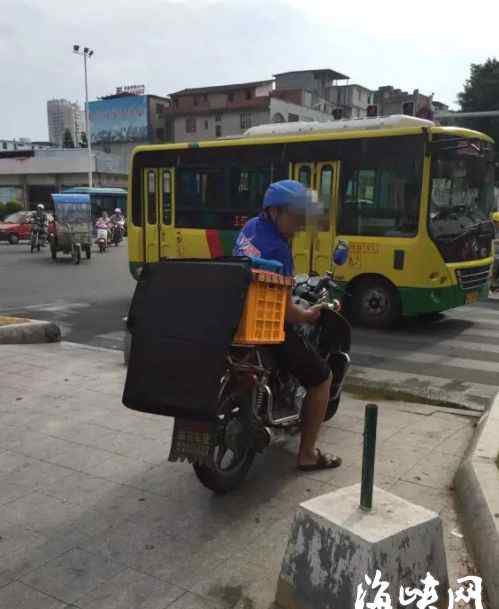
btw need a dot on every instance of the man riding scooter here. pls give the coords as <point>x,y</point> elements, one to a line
<point>117,226</point>
<point>285,206</point>
<point>39,223</point>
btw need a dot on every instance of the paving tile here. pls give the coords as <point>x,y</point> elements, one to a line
<point>131,590</point>
<point>430,498</point>
<point>33,473</point>
<point>138,544</point>
<point>457,443</point>
<point>38,511</point>
<point>72,575</point>
<point>82,489</point>
<point>23,549</point>
<point>269,547</point>
<point>19,596</point>
<point>116,468</point>
<point>434,470</point>
<point>10,491</point>
<point>396,462</point>
<point>235,581</point>
<point>193,601</point>
<point>11,462</point>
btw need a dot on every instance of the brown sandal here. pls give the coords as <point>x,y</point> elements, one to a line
<point>324,461</point>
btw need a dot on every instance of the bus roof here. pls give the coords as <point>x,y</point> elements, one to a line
<point>276,133</point>
<point>97,191</point>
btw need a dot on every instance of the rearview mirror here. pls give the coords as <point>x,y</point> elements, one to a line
<point>495,217</point>
<point>340,253</point>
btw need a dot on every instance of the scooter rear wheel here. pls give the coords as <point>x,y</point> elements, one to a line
<point>236,437</point>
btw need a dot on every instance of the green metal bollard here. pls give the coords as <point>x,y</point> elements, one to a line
<point>366,491</point>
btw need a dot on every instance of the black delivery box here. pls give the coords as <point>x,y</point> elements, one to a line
<point>183,316</point>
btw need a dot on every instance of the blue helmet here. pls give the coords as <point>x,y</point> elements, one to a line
<point>288,193</point>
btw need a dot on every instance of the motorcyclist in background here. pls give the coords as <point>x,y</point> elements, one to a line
<point>285,205</point>
<point>40,222</point>
<point>118,223</point>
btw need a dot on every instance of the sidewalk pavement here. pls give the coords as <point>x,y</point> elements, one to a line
<point>93,516</point>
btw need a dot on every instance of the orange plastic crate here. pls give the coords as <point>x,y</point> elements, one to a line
<point>262,320</point>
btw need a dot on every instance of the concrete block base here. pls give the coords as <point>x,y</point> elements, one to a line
<point>333,545</point>
<point>29,331</point>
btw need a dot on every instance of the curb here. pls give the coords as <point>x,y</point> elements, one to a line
<point>391,389</point>
<point>477,488</point>
<point>30,331</point>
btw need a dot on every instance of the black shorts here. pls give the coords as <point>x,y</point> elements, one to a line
<point>299,357</point>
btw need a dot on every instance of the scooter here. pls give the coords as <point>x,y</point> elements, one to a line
<point>258,400</point>
<point>102,237</point>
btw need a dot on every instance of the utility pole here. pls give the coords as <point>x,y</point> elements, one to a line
<point>86,53</point>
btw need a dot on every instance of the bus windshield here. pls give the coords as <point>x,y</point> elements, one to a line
<point>462,195</point>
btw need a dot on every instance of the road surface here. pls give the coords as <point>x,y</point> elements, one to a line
<point>457,352</point>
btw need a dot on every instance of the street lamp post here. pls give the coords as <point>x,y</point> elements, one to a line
<point>86,53</point>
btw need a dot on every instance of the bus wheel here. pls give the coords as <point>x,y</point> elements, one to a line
<point>376,303</point>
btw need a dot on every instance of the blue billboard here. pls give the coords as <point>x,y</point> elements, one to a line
<point>123,119</point>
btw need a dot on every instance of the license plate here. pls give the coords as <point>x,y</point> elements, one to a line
<point>471,297</point>
<point>192,440</point>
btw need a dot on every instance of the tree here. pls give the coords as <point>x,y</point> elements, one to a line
<point>83,140</point>
<point>481,93</point>
<point>68,140</point>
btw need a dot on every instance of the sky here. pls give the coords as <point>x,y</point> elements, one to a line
<point>168,45</point>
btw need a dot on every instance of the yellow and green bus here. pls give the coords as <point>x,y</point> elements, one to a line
<point>412,199</point>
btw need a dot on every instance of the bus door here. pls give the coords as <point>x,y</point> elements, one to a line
<point>159,239</point>
<point>313,247</point>
<point>302,242</point>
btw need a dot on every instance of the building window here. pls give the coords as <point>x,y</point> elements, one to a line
<point>205,97</point>
<point>293,118</point>
<point>206,124</point>
<point>218,118</point>
<point>159,108</point>
<point>248,93</point>
<point>218,130</point>
<point>160,134</point>
<point>196,101</point>
<point>190,125</point>
<point>245,120</point>
<point>231,97</point>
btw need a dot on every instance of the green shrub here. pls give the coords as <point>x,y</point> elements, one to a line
<point>12,207</point>
<point>3,211</point>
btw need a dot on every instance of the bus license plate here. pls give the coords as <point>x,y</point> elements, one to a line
<point>472,297</point>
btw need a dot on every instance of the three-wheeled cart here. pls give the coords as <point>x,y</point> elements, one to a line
<point>73,226</point>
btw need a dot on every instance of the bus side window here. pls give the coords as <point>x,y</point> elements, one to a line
<point>382,202</point>
<point>167,197</point>
<point>305,176</point>
<point>247,188</point>
<point>325,195</point>
<point>151,197</point>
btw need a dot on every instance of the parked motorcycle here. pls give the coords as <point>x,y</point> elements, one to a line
<point>258,400</point>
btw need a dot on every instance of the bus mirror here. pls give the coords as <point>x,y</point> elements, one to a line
<point>340,254</point>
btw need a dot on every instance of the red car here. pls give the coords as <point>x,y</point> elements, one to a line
<point>17,226</point>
